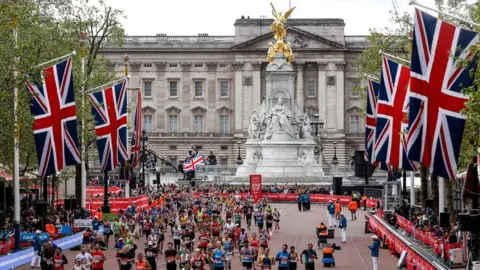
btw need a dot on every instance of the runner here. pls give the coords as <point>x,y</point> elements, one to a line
<point>283,258</point>
<point>246,256</point>
<point>151,254</point>
<point>198,260</point>
<point>309,256</point>
<point>218,257</point>
<point>266,261</point>
<point>171,256</point>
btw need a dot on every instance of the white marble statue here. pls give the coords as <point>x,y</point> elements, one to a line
<point>306,127</point>
<point>278,120</point>
<point>255,126</point>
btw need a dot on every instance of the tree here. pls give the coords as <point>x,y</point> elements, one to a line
<point>48,29</point>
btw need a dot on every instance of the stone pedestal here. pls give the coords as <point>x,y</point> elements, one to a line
<point>281,157</point>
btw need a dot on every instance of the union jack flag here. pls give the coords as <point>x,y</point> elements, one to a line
<point>55,119</point>
<point>371,118</point>
<point>194,163</point>
<point>137,133</point>
<point>109,108</point>
<point>390,146</point>
<point>436,99</point>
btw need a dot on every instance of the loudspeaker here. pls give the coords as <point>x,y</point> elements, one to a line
<point>464,222</point>
<point>67,204</point>
<point>41,208</point>
<point>444,220</point>
<point>429,203</point>
<point>158,179</point>
<point>360,164</point>
<point>475,219</point>
<point>337,186</point>
<point>2,219</point>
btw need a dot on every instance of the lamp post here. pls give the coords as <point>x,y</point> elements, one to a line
<point>144,155</point>
<point>335,159</point>
<point>239,158</point>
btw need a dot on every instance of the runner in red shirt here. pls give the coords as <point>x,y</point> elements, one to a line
<point>198,260</point>
<point>59,260</point>
<point>98,258</point>
<point>203,237</point>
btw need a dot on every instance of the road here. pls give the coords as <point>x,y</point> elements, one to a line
<point>297,228</point>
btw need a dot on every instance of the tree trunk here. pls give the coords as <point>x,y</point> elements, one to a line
<point>435,193</point>
<point>424,187</point>
<point>449,200</point>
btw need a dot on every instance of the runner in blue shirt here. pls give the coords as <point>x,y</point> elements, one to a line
<point>218,257</point>
<point>283,258</point>
<point>246,255</point>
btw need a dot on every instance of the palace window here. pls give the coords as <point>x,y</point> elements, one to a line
<point>354,123</point>
<point>198,124</point>
<point>147,88</point>
<point>223,161</point>
<point>173,88</point>
<point>354,91</point>
<point>224,147</point>
<point>173,160</point>
<point>311,88</point>
<point>173,123</point>
<point>172,147</point>
<point>224,126</point>
<point>198,88</point>
<point>147,123</point>
<point>224,88</point>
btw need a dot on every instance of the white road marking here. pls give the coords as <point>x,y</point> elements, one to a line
<point>360,255</point>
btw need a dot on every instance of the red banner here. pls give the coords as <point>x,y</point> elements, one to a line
<point>116,204</point>
<point>256,187</point>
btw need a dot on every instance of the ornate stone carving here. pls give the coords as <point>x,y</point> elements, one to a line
<point>247,80</point>
<point>198,109</point>
<point>322,65</point>
<point>173,109</point>
<point>148,109</point>
<point>160,66</point>
<point>186,66</point>
<point>135,66</point>
<point>212,66</point>
<point>238,66</point>
<point>331,80</point>
<point>256,66</point>
<point>299,42</point>
<point>340,65</point>
<point>224,109</point>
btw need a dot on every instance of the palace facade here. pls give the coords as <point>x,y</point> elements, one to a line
<point>200,90</point>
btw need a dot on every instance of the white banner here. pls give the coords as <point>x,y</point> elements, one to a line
<point>82,223</point>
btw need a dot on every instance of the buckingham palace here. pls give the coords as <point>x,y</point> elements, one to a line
<point>200,90</point>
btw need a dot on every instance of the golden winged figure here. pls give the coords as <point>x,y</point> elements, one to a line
<point>278,28</point>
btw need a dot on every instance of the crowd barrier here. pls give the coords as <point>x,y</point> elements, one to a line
<point>116,204</point>
<point>17,259</point>
<point>292,197</point>
<point>413,260</point>
<point>94,191</point>
<point>439,246</point>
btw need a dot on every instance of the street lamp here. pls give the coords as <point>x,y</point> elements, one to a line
<point>316,124</point>
<point>239,158</point>
<point>144,140</point>
<point>335,159</point>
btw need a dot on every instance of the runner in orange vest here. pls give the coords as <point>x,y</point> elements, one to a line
<point>352,206</point>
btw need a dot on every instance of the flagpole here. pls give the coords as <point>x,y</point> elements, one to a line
<point>56,59</point>
<point>127,181</point>
<point>100,87</point>
<point>16,144</point>
<point>83,149</point>
<point>391,56</point>
<point>413,2</point>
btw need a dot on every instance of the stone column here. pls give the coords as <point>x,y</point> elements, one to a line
<point>322,93</point>
<point>238,66</point>
<point>186,97</point>
<point>412,188</point>
<point>340,71</point>
<point>299,94</point>
<point>161,97</point>
<point>211,86</point>
<point>257,85</point>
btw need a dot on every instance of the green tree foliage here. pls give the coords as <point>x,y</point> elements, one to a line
<point>46,30</point>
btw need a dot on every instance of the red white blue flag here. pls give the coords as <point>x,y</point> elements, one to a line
<point>436,123</point>
<point>390,146</point>
<point>55,119</point>
<point>109,108</point>
<point>371,118</point>
<point>137,133</point>
<point>194,163</point>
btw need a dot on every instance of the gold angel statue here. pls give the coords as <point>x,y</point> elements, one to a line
<point>278,28</point>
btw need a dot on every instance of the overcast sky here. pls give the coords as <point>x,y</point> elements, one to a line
<point>216,17</point>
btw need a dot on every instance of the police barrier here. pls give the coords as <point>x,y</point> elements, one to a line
<point>16,259</point>
<point>28,237</point>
